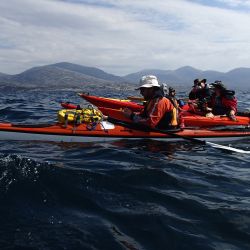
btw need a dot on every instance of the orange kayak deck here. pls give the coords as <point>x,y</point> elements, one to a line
<point>106,131</point>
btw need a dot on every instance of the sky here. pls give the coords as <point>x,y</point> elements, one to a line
<point>125,36</point>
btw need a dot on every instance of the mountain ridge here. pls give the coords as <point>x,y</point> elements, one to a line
<point>69,74</point>
<point>239,77</point>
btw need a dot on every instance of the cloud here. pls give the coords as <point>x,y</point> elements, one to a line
<point>239,5</point>
<point>123,36</point>
<point>235,3</point>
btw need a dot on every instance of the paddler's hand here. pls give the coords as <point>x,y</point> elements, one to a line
<point>193,103</point>
<point>210,115</point>
<point>105,117</point>
<point>232,116</point>
<point>208,109</point>
<point>127,112</point>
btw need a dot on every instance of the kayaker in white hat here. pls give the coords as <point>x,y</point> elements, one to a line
<point>158,111</point>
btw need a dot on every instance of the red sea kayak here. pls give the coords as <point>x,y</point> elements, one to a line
<point>189,120</point>
<point>112,107</point>
<point>106,131</point>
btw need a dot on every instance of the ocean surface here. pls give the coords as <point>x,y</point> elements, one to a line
<point>118,195</point>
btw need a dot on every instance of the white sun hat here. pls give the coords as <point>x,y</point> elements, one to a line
<point>149,81</point>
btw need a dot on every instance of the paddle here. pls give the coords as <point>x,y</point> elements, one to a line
<point>141,127</point>
<point>243,113</point>
<point>136,98</point>
<point>173,134</point>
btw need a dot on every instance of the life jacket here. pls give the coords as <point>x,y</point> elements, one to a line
<point>174,114</point>
<point>170,116</point>
<point>158,112</point>
<point>169,120</point>
<point>227,102</point>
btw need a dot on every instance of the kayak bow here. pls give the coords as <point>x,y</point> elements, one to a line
<point>111,103</point>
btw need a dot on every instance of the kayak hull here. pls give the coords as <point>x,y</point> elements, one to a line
<point>191,120</point>
<point>107,132</point>
<point>19,136</point>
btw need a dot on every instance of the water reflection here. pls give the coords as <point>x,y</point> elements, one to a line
<point>166,148</point>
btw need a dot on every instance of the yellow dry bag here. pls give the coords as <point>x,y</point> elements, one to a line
<point>86,115</point>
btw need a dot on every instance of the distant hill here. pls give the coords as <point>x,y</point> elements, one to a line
<point>60,74</point>
<point>181,75</point>
<point>239,77</point>
<point>239,74</point>
<point>90,71</point>
<point>3,75</point>
<point>66,74</point>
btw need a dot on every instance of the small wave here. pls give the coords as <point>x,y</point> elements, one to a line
<point>126,194</point>
<point>15,168</point>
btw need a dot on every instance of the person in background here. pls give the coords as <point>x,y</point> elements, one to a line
<point>200,94</point>
<point>223,101</point>
<point>164,89</point>
<point>178,104</point>
<point>171,95</point>
<point>158,111</point>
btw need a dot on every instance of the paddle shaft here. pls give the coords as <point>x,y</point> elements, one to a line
<point>243,113</point>
<point>145,128</point>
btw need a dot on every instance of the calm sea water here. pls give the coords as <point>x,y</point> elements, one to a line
<point>120,195</point>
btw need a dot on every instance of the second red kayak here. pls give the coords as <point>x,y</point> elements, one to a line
<point>188,120</point>
<point>112,107</point>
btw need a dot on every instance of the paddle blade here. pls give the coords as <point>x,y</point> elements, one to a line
<point>228,148</point>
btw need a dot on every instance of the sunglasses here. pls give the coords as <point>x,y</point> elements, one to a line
<point>143,89</point>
